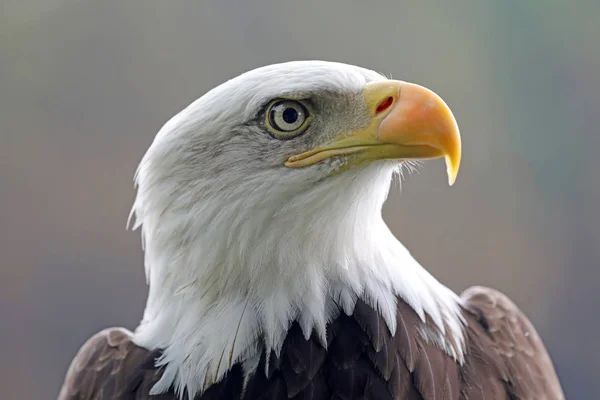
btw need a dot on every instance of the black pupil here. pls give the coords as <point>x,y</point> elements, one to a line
<point>290,115</point>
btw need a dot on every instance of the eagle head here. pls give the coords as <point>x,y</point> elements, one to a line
<point>260,205</point>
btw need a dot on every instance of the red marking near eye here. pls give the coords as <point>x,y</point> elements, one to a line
<point>385,104</point>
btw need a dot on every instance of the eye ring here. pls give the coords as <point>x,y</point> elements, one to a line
<point>285,118</point>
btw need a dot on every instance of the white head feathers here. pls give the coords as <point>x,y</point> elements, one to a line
<point>237,246</point>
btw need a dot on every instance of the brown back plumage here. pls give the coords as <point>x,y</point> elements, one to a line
<point>505,359</point>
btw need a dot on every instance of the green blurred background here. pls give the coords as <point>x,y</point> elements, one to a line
<point>85,85</point>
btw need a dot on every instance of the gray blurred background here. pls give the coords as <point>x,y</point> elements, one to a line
<point>85,85</point>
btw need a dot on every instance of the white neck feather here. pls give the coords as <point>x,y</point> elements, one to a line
<point>227,280</point>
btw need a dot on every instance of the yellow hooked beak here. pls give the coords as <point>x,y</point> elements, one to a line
<point>408,121</point>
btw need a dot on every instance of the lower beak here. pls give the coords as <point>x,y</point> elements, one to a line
<point>408,121</point>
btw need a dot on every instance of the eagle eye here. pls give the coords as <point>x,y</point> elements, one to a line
<point>286,119</point>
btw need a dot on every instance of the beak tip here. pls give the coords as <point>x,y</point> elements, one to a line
<point>451,169</point>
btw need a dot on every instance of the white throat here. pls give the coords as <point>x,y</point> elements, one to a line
<point>227,280</point>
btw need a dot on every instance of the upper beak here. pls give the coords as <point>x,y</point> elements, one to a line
<point>408,121</point>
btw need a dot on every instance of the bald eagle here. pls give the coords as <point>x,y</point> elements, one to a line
<point>271,272</point>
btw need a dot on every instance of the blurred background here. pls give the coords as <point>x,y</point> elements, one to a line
<point>85,85</point>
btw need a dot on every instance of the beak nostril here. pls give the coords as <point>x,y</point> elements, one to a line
<point>384,105</point>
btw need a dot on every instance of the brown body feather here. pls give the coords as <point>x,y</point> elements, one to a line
<point>504,359</point>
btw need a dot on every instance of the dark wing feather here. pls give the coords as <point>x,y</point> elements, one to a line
<point>505,356</point>
<point>110,366</point>
<point>303,359</point>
